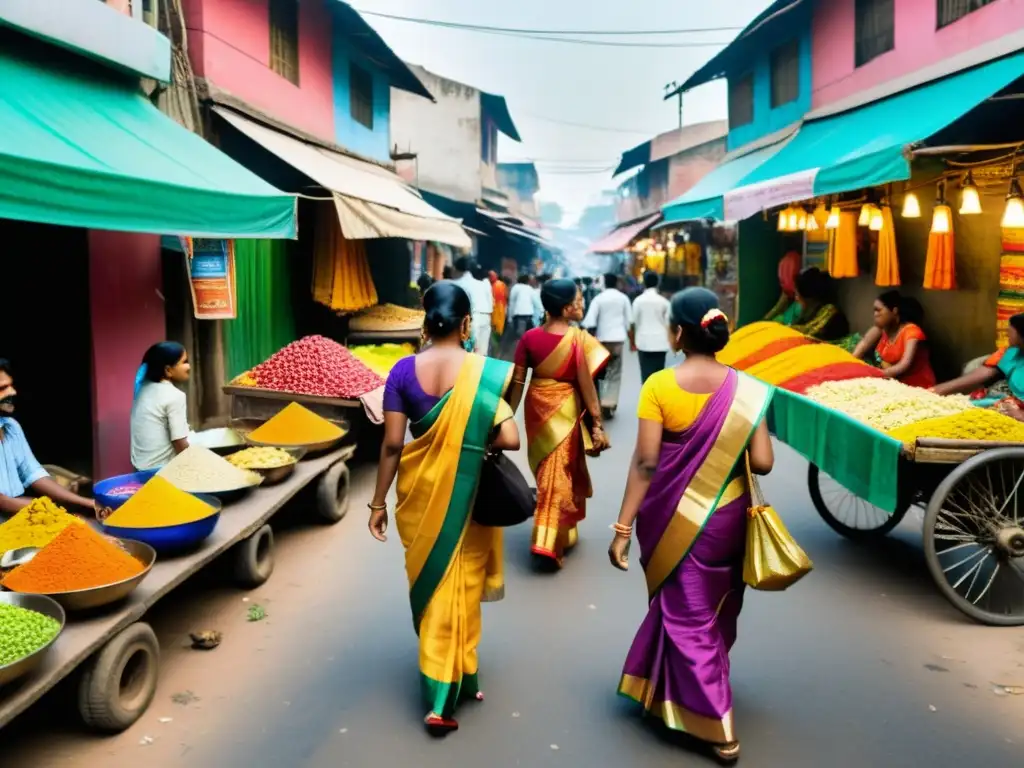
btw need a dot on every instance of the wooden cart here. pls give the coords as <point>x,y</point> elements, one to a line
<point>116,652</point>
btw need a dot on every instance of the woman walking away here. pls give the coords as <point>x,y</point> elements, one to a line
<point>159,419</point>
<point>452,402</point>
<point>687,491</point>
<point>563,416</point>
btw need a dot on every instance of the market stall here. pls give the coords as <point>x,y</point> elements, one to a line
<point>104,634</point>
<point>876,447</point>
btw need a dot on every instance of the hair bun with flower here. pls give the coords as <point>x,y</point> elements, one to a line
<point>710,316</point>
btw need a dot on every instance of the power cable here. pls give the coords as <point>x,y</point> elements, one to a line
<point>573,124</point>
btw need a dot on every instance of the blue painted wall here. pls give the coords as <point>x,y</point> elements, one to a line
<point>376,143</point>
<point>766,119</point>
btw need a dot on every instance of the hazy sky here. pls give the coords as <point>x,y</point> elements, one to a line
<point>619,88</point>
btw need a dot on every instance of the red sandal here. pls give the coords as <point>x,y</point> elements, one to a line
<point>440,726</point>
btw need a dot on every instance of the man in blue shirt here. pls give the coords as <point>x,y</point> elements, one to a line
<point>21,476</point>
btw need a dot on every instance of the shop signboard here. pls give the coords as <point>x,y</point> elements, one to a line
<point>211,276</point>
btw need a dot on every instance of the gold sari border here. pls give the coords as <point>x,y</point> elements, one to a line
<point>707,490</point>
<point>677,717</point>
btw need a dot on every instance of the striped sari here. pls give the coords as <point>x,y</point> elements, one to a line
<point>451,562</point>
<point>557,440</point>
<point>691,528</point>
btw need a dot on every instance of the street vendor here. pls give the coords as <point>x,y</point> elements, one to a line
<point>787,309</point>
<point>999,381</point>
<point>898,340</point>
<point>159,421</point>
<point>819,316</point>
<point>21,476</point>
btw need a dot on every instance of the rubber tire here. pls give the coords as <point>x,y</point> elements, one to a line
<point>100,702</point>
<point>853,534</point>
<point>332,494</point>
<point>254,559</point>
<point>931,516</point>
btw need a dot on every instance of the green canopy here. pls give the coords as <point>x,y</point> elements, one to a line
<point>81,148</point>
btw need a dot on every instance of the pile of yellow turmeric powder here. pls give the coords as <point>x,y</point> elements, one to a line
<point>35,525</point>
<point>296,425</point>
<point>158,504</point>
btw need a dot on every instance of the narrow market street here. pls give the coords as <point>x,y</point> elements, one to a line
<point>863,664</point>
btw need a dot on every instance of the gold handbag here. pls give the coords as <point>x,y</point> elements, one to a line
<point>773,560</point>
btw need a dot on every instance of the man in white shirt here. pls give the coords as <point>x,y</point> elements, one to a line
<point>482,306</point>
<point>520,319</point>
<point>484,312</point>
<point>649,334</point>
<point>611,317</point>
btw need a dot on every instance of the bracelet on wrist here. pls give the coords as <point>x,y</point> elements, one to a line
<point>377,507</point>
<point>625,531</point>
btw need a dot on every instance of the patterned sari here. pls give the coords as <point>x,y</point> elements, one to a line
<point>557,440</point>
<point>691,528</point>
<point>451,562</point>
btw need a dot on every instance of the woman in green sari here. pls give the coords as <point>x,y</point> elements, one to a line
<point>453,403</point>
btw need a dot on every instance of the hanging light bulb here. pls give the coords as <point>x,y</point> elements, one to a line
<point>792,220</point>
<point>812,223</point>
<point>970,200</point>
<point>942,218</point>
<point>783,220</point>
<point>865,215</point>
<point>833,218</point>
<point>1013,217</point>
<point>911,206</point>
<point>877,220</point>
<point>801,219</point>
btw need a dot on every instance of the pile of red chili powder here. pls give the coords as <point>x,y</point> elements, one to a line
<point>316,365</point>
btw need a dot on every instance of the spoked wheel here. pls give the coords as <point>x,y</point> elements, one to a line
<point>974,537</point>
<point>846,513</point>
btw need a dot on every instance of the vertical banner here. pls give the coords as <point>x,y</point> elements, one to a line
<point>211,276</point>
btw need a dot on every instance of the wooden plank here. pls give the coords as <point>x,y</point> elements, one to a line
<point>926,455</point>
<point>82,637</point>
<point>412,334</point>
<point>271,394</point>
<point>980,445</point>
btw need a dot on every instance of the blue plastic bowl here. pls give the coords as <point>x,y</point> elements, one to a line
<point>101,490</point>
<point>171,538</point>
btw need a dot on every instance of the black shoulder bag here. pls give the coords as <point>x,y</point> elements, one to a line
<point>503,498</point>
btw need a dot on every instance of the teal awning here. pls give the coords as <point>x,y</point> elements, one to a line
<point>869,145</point>
<point>81,148</point>
<point>704,199</point>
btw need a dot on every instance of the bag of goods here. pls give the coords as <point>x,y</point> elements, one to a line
<point>317,366</point>
<point>78,558</point>
<point>200,470</point>
<point>158,504</point>
<point>23,632</point>
<point>261,457</point>
<point>36,525</point>
<point>886,404</point>
<point>296,425</point>
<point>387,317</point>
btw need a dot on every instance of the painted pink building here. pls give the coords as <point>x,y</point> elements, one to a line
<point>229,45</point>
<point>918,42</point>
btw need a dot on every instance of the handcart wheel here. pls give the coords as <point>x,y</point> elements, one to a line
<point>332,494</point>
<point>974,537</point>
<point>119,682</point>
<point>846,513</point>
<point>254,559</point>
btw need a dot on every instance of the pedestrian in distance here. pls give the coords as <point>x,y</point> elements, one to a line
<point>649,334</point>
<point>453,404</point>
<point>563,416</point>
<point>688,494</point>
<point>611,317</point>
<point>521,312</point>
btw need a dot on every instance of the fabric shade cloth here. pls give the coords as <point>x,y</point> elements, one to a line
<point>619,239</point>
<point>372,202</point>
<point>80,148</point>
<point>866,147</point>
<point>705,199</point>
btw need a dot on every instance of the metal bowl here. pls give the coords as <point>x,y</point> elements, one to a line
<point>40,604</point>
<point>95,597</point>
<point>172,538</point>
<point>245,426</point>
<point>273,475</point>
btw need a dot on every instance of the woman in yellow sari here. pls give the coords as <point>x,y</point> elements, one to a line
<point>452,402</point>
<point>564,360</point>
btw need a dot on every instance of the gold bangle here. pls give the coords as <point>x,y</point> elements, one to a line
<point>377,507</point>
<point>625,531</point>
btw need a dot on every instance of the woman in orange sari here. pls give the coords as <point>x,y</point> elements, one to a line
<point>563,416</point>
<point>500,293</point>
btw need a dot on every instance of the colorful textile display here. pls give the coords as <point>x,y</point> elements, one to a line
<point>940,264</point>
<point>887,274</point>
<point>341,273</point>
<point>842,247</point>
<point>1011,283</point>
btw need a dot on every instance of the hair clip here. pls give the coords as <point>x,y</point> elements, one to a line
<point>710,316</point>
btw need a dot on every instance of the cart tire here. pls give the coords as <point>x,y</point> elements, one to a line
<point>954,537</point>
<point>871,529</point>
<point>332,494</point>
<point>119,682</point>
<point>254,559</point>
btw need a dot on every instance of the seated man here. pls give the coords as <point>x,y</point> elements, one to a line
<point>21,476</point>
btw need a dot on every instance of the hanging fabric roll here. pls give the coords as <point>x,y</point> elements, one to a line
<point>887,274</point>
<point>341,273</point>
<point>842,247</point>
<point>1011,283</point>
<point>940,264</point>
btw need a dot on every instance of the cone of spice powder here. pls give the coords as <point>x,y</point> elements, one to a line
<point>296,425</point>
<point>79,558</point>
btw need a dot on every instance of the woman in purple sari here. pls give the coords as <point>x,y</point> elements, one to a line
<point>687,492</point>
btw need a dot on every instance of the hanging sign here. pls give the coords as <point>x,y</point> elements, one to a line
<point>211,276</point>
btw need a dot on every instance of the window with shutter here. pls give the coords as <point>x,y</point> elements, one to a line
<point>741,101</point>
<point>284,39</point>
<point>361,95</point>
<point>954,10</point>
<point>785,74</point>
<point>874,29</point>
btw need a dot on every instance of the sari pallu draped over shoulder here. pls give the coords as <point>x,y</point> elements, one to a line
<point>557,441</point>
<point>691,528</point>
<point>451,563</point>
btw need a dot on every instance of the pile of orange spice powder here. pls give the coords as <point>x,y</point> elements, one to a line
<point>79,558</point>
